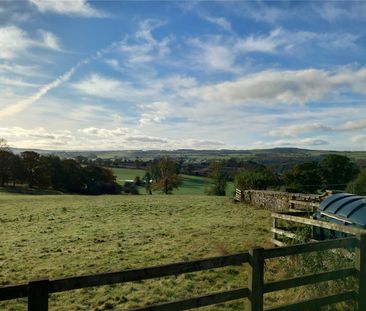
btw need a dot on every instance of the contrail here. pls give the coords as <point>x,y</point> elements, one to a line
<point>23,104</point>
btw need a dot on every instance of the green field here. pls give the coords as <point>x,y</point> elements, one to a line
<point>191,185</point>
<point>57,236</point>
<point>68,235</point>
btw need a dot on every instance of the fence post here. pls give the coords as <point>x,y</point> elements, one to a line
<point>274,225</point>
<point>361,268</point>
<point>256,278</point>
<point>38,295</point>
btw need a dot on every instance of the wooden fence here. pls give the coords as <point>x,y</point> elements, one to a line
<point>297,219</point>
<point>38,291</point>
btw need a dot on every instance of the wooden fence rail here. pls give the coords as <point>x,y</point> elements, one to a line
<point>39,291</point>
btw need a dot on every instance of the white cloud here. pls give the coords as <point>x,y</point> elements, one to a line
<point>354,125</point>
<point>337,10</point>
<point>50,40</point>
<point>156,113</point>
<point>283,87</point>
<point>272,87</point>
<point>212,55</point>
<point>93,114</point>
<point>126,138</point>
<point>67,7</point>
<point>259,11</point>
<point>261,43</point>
<point>143,90</point>
<point>106,87</point>
<point>143,47</point>
<point>100,86</point>
<point>223,52</point>
<point>14,42</point>
<point>294,130</point>
<point>359,139</point>
<point>21,70</point>
<point>113,63</point>
<point>219,21</point>
<point>16,82</point>
<point>94,138</point>
<point>305,142</point>
<point>105,133</point>
<point>36,137</point>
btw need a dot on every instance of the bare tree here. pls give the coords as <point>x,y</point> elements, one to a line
<point>4,145</point>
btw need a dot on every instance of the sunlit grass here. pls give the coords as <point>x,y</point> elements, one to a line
<point>191,185</point>
<point>68,235</point>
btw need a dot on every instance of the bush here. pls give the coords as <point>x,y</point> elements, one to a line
<point>358,186</point>
<point>130,188</point>
<point>219,179</point>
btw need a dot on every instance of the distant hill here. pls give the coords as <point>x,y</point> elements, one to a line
<point>273,157</point>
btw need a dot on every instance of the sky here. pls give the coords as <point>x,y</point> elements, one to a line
<point>111,75</point>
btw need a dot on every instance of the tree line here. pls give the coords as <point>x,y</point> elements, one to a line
<point>335,172</point>
<point>51,172</point>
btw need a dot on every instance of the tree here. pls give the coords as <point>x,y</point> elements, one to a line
<point>30,161</point>
<point>258,180</point>
<point>138,162</point>
<point>337,171</point>
<point>304,177</point>
<point>4,145</point>
<point>154,170</point>
<point>166,177</point>
<point>358,186</point>
<point>147,181</point>
<point>17,170</point>
<point>42,176</point>
<point>66,175</point>
<point>100,180</point>
<point>219,178</point>
<point>5,167</point>
<point>5,156</point>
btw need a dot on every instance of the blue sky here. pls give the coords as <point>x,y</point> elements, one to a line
<point>103,75</point>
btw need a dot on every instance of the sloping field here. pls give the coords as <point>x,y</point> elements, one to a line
<point>69,235</point>
<point>191,185</point>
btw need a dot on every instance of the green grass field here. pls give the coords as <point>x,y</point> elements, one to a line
<point>57,236</point>
<point>191,185</point>
<point>67,235</point>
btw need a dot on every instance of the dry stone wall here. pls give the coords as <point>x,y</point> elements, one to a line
<point>277,201</point>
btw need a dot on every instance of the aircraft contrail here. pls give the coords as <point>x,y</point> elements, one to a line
<point>23,104</point>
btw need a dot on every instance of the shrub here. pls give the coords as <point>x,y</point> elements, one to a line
<point>130,188</point>
<point>358,186</point>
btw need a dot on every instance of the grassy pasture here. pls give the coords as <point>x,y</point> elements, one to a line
<point>191,185</point>
<point>67,235</point>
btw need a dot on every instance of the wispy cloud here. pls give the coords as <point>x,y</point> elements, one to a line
<point>333,11</point>
<point>219,21</point>
<point>143,47</point>
<point>75,7</point>
<point>226,53</point>
<point>15,42</point>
